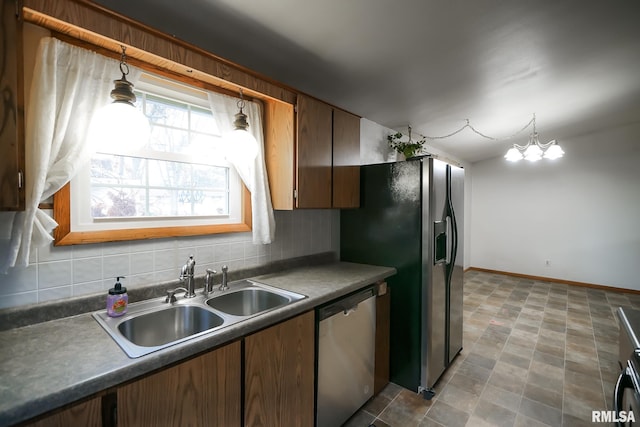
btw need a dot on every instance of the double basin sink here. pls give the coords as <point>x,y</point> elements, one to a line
<point>154,324</point>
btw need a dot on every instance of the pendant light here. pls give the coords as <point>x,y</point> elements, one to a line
<point>240,143</point>
<point>120,125</point>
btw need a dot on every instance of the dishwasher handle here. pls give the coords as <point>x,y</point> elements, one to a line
<point>346,305</point>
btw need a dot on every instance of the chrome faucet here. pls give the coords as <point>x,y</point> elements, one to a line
<point>208,281</point>
<point>186,273</point>
<point>223,284</point>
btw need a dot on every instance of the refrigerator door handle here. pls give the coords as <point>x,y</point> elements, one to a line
<point>449,236</point>
<point>440,242</point>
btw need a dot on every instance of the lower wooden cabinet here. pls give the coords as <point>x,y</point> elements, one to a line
<point>87,413</point>
<point>204,391</point>
<point>207,390</point>
<point>279,374</point>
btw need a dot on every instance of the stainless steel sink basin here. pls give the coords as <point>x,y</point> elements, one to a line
<point>161,327</point>
<point>247,302</point>
<point>152,325</point>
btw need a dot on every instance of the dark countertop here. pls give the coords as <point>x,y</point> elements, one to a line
<point>51,364</point>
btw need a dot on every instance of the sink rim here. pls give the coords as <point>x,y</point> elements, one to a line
<point>112,324</point>
<point>133,334</point>
<point>140,308</point>
<point>229,294</point>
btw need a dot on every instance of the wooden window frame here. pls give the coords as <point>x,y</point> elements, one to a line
<point>63,235</point>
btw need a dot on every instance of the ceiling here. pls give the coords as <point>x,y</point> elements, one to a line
<point>432,64</point>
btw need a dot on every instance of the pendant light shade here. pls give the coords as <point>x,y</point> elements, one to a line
<point>554,152</point>
<point>513,155</point>
<point>240,143</point>
<point>533,153</point>
<point>120,125</point>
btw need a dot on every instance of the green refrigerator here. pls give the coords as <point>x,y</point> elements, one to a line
<point>411,218</point>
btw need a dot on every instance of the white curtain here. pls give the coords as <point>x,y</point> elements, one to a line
<point>69,85</point>
<point>252,172</point>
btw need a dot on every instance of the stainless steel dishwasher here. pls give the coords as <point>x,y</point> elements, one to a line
<point>346,349</point>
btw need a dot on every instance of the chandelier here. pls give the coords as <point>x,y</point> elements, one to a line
<point>534,150</point>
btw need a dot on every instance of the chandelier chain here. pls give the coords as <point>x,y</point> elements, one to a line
<point>473,129</point>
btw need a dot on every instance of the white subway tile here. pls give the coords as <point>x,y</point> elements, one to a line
<point>205,254</point>
<point>138,280</point>
<point>141,262</point>
<point>115,265</point>
<point>142,245</point>
<point>87,270</point>
<point>115,248</point>
<point>165,244</point>
<point>54,253</point>
<point>15,300</point>
<point>54,274</point>
<point>165,275</point>
<point>87,251</point>
<point>52,294</point>
<point>229,251</point>
<point>165,259</point>
<point>19,279</point>
<point>250,250</point>
<point>88,288</point>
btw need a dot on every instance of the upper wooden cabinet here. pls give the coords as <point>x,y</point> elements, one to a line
<point>316,163</point>
<point>314,155</point>
<point>12,161</point>
<point>346,160</point>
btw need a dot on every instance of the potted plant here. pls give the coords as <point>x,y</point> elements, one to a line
<point>408,148</point>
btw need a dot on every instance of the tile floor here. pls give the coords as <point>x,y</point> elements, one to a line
<point>535,354</point>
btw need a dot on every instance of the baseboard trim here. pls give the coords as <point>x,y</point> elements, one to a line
<point>550,279</point>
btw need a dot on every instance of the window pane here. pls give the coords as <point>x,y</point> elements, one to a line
<point>107,169</point>
<point>187,202</point>
<point>164,112</point>
<point>203,121</point>
<point>168,140</point>
<point>113,202</point>
<point>131,187</point>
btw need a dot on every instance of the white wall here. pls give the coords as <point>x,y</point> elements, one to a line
<point>580,212</point>
<point>62,272</point>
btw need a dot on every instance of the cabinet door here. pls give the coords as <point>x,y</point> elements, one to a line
<point>205,391</point>
<point>11,109</point>
<point>314,153</point>
<point>87,414</point>
<point>279,374</point>
<point>279,153</point>
<point>346,160</point>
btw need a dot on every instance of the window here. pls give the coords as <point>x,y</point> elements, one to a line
<point>179,179</point>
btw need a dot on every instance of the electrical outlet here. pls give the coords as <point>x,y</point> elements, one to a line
<point>547,263</point>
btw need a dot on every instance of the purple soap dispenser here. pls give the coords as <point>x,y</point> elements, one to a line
<point>117,299</point>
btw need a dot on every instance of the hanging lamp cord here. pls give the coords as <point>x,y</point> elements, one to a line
<point>473,129</point>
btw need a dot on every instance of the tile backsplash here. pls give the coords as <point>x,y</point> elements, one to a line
<point>62,272</point>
